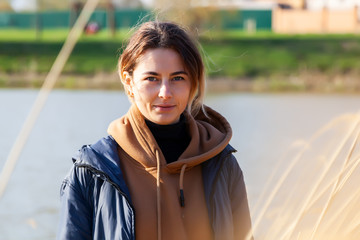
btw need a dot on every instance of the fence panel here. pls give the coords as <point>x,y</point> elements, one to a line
<point>55,19</point>
<point>226,19</point>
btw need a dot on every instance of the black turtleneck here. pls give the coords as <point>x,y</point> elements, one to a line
<point>172,139</point>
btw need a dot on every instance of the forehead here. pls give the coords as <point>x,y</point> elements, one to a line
<point>160,60</point>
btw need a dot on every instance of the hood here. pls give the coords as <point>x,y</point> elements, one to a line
<point>102,158</point>
<point>209,136</point>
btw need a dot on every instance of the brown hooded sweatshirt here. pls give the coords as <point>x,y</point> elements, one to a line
<point>155,185</point>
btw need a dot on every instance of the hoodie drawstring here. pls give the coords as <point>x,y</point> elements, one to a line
<point>158,193</point>
<point>158,196</point>
<point>181,185</point>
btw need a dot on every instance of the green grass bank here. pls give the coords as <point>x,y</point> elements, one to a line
<point>234,60</point>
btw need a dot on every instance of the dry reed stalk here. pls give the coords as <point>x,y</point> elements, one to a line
<point>350,172</point>
<point>289,232</point>
<point>330,183</point>
<point>286,173</point>
<point>44,92</point>
<point>336,184</point>
<point>342,213</point>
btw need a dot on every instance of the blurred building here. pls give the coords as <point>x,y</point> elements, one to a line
<point>318,16</point>
<point>315,4</point>
<point>299,16</point>
<point>239,4</point>
<point>23,5</point>
<point>287,4</point>
<point>332,4</point>
<point>5,6</point>
<point>280,16</point>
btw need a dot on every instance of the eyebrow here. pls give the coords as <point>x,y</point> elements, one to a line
<point>178,73</point>
<point>151,73</point>
<point>172,74</point>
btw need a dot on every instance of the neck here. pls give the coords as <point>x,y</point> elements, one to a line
<point>172,139</point>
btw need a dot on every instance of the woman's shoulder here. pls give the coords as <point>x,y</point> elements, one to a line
<point>90,159</point>
<point>221,165</point>
<point>225,157</point>
<point>98,162</point>
<point>89,153</point>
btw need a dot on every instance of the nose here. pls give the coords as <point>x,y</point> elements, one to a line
<point>165,90</point>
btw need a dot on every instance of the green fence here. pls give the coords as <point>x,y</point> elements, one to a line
<point>122,18</point>
<point>258,19</point>
<point>231,19</point>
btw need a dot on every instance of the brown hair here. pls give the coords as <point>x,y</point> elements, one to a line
<point>155,34</point>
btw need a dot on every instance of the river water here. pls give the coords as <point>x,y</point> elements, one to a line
<point>264,126</point>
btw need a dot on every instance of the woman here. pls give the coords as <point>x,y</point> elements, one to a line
<point>166,170</point>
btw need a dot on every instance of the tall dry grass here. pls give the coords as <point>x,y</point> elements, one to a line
<point>314,192</point>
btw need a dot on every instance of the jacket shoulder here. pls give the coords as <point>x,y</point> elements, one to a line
<point>104,146</point>
<point>224,158</point>
<point>95,176</point>
<point>101,160</point>
<point>80,178</point>
<point>212,169</point>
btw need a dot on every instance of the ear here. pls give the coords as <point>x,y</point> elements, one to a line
<point>126,80</point>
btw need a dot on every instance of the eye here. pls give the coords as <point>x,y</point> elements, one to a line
<point>151,79</point>
<point>178,78</point>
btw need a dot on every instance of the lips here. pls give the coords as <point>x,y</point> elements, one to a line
<point>164,107</point>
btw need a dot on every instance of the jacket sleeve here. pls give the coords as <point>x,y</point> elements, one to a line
<point>239,201</point>
<point>75,210</point>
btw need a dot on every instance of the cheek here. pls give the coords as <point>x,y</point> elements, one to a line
<point>144,93</point>
<point>183,97</point>
<point>193,90</point>
<point>187,92</point>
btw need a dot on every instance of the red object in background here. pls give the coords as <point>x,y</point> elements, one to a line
<point>92,28</point>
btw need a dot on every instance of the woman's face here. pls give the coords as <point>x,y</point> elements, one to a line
<point>160,86</point>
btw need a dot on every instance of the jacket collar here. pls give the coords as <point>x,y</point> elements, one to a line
<point>102,157</point>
